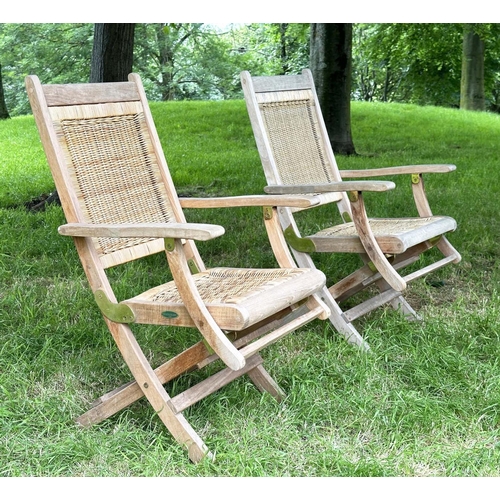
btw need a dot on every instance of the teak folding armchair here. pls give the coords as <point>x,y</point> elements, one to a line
<point>120,205</point>
<point>297,157</point>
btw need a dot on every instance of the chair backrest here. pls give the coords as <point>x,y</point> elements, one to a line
<point>106,160</point>
<point>290,132</point>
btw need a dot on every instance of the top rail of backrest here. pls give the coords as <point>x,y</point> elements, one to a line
<point>90,93</point>
<point>280,83</point>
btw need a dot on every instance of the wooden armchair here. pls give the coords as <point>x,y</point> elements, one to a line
<point>297,159</point>
<point>120,205</point>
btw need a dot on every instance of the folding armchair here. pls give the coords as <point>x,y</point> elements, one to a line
<point>120,205</point>
<point>297,157</point>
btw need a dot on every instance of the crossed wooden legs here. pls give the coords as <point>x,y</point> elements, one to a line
<point>149,382</point>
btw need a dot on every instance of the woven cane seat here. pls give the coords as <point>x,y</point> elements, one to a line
<point>231,296</point>
<point>393,235</point>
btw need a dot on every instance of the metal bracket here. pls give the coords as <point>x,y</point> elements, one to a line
<point>353,196</point>
<point>346,217</point>
<point>268,212</point>
<point>193,267</point>
<point>300,244</point>
<point>118,313</point>
<point>415,178</point>
<point>169,244</point>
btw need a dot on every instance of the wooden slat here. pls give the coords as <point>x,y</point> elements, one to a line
<point>89,93</point>
<point>370,305</point>
<point>305,201</point>
<point>210,385</point>
<point>273,337</point>
<point>330,187</point>
<point>201,232</point>
<point>279,83</point>
<point>408,169</point>
<point>100,110</point>
<point>429,268</point>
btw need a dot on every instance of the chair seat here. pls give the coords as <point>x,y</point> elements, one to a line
<point>236,298</point>
<point>394,236</point>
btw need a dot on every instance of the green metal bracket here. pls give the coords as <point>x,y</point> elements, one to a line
<point>300,244</point>
<point>268,213</point>
<point>193,267</point>
<point>169,244</point>
<point>434,241</point>
<point>353,196</point>
<point>346,217</point>
<point>119,313</point>
<point>372,266</point>
<point>415,178</point>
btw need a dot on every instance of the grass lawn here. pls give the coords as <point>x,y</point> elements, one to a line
<point>425,401</point>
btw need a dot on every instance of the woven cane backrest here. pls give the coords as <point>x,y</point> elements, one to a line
<point>114,173</point>
<point>290,132</point>
<point>292,127</point>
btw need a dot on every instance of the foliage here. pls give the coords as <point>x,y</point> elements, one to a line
<point>419,63</point>
<point>186,61</point>
<point>56,52</point>
<point>176,60</point>
<point>403,62</point>
<point>423,402</point>
<point>399,62</point>
<point>276,48</point>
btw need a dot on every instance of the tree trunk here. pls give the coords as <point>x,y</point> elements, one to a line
<point>112,53</point>
<point>283,49</point>
<point>4,113</point>
<point>331,66</point>
<point>472,81</point>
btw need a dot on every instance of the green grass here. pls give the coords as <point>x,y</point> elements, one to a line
<point>424,402</point>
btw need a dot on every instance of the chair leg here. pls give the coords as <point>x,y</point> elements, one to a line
<point>156,394</point>
<point>399,304</point>
<point>265,383</point>
<point>343,326</point>
<point>121,397</point>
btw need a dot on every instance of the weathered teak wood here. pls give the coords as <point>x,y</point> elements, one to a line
<point>120,205</point>
<point>297,159</point>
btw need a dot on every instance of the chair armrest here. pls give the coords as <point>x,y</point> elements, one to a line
<point>188,231</point>
<point>408,169</point>
<point>251,201</point>
<point>331,187</point>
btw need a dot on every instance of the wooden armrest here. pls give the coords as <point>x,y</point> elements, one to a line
<point>331,187</point>
<point>188,231</point>
<point>251,201</point>
<point>408,169</point>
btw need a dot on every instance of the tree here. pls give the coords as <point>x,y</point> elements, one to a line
<point>472,81</point>
<point>408,62</point>
<point>331,65</point>
<point>4,113</point>
<point>113,52</point>
<point>55,52</point>
<point>275,48</point>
